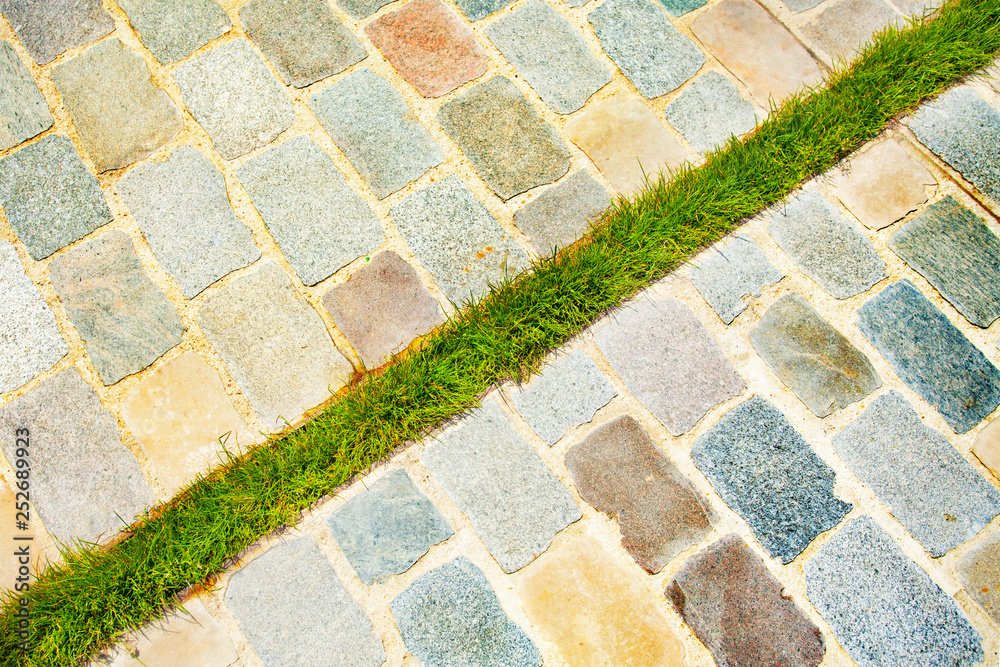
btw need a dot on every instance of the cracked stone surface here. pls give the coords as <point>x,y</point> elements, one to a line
<point>731,277</point>
<point>709,111</point>
<point>174,29</point>
<point>47,28</point>
<point>562,212</point>
<point>23,110</point>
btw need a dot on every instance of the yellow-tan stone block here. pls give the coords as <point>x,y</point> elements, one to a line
<point>181,640</point>
<point>987,446</point>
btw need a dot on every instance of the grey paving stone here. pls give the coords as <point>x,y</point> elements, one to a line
<point>562,213</point>
<point>979,571</point>
<point>479,9</point>
<point>84,482</point>
<point>320,223</point>
<point>826,246</point>
<point>731,277</point>
<point>668,361</point>
<point>360,9</point>
<point>931,355</point>
<point>125,320</point>
<point>451,617</point>
<point>494,476</point>
<point>681,7</point>
<point>387,528</point>
<point>456,238</point>
<point>883,608</point>
<point>916,7</point>
<point>765,470</point>
<point>647,48</point>
<point>372,124</point>
<point>295,611</point>
<point>801,5</point>
<point>709,111</point>
<point>844,27</point>
<point>23,111</point>
<point>174,29</point>
<point>182,207</point>
<point>233,95</point>
<point>46,28</point>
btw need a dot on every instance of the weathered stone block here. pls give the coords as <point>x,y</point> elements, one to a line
<point>478,9</point>
<point>174,29</point>
<point>731,277</point>
<point>188,637</point>
<point>359,9</point>
<point>23,111</point>
<point>979,571</point>
<point>844,27</point>
<point>709,111</point>
<point>987,446</point>
<point>46,28</point>
<point>562,213</point>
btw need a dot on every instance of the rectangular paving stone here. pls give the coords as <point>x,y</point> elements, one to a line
<point>46,28</point>
<point>174,29</point>
<point>979,572</point>
<point>709,111</point>
<point>765,470</point>
<point>730,278</point>
<point>479,9</point>
<point>931,355</point>
<point>190,636</point>
<point>562,212</point>
<point>845,26</point>
<point>23,111</point>
<point>987,446</point>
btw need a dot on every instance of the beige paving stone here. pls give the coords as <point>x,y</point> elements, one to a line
<point>987,447</point>
<point>845,26</point>
<point>8,566</point>
<point>181,640</point>
<point>979,572</point>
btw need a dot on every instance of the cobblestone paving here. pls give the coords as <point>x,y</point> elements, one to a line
<point>787,452</point>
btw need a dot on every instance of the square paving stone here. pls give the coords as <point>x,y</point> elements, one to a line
<point>430,46</point>
<point>844,27</point>
<point>372,124</point>
<point>979,571</point>
<point>387,528</point>
<point>645,45</point>
<point>740,612</point>
<point>295,611</point>
<point>620,472</point>
<point>669,361</point>
<point>451,617</point>
<point>84,482</point>
<point>931,355</point>
<point>513,500</point>
<point>50,198</point>
<point>183,210</point>
<point>121,115</point>
<point>233,95</point>
<point>987,446</point>
<point>883,608</point>
<point>956,252</point>
<point>731,277</point>
<point>562,213</point>
<point>320,223</point>
<point>709,111</point>
<point>812,358</point>
<point>764,469</point>
<point>187,636</point>
<point>478,9</point>
<point>124,319</point>
<point>174,29</point>
<point>23,110</point>
<point>303,39</point>
<point>512,148</point>
<point>828,247</point>
<point>46,28</point>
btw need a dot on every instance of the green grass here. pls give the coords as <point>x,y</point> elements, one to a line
<point>97,593</point>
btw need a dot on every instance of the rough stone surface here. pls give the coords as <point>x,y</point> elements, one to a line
<point>23,111</point>
<point>125,320</point>
<point>478,9</point>
<point>188,637</point>
<point>765,470</point>
<point>916,7</point>
<point>844,27</point>
<point>619,471</point>
<point>359,9</point>
<point>801,5</point>
<point>387,528</point>
<point>562,213</point>
<point>731,277</point>
<point>46,28</point>
<point>372,124</point>
<point>979,571</point>
<point>709,111</point>
<point>505,139</point>
<point>987,446</point>
<point>739,610</point>
<point>931,355</point>
<point>451,617</point>
<point>680,7</point>
<point>233,95</point>
<point>183,210</point>
<point>826,246</point>
<point>883,608</point>
<point>295,611</point>
<point>174,29</point>
<point>320,223</point>
<point>812,358</point>
<point>512,499</point>
<point>668,361</point>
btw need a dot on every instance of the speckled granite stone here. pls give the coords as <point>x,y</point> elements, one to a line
<point>562,212</point>
<point>23,110</point>
<point>731,277</point>
<point>478,9</point>
<point>709,111</point>
<point>174,29</point>
<point>46,28</point>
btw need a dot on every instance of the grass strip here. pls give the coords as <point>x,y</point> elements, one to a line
<point>97,593</point>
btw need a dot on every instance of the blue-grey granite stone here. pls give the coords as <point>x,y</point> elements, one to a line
<point>562,213</point>
<point>23,111</point>
<point>731,277</point>
<point>46,28</point>
<point>360,9</point>
<point>174,29</point>
<point>479,9</point>
<point>709,111</point>
<point>681,7</point>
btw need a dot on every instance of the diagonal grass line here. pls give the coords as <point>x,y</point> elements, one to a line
<point>97,593</point>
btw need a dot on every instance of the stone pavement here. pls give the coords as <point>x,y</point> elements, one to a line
<point>786,452</point>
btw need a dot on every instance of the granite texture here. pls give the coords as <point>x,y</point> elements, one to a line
<point>730,278</point>
<point>987,446</point>
<point>562,212</point>
<point>46,28</point>
<point>979,572</point>
<point>479,9</point>
<point>709,111</point>
<point>23,110</point>
<point>845,26</point>
<point>174,29</point>
<point>680,7</point>
<point>359,9</point>
<point>187,636</point>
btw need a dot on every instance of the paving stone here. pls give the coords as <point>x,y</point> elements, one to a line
<point>46,28</point>
<point>688,375</point>
<point>174,29</point>
<point>456,238</point>
<point>320,223</point>
<point>773,64</point>
<point>626,141</point>
<point>680,7</point>
<point>619,471</point>
<point>844,27</point>
<point>372,124</point>
<point>916,7</point>
<point>49,197</point>
<point>765,470</point>
<point>812,358</point>
<point>84,483</point>
<point>931,355</point>
<point>827,247</point>
<point>494,476</point>
<point>956,252</point>
<point>274,344</point>
<point>121,115</point>
<point>233,95</point>
<point>882,607</point>
<point>8,531</point>
<point>645,45</point>
<point>801,5</point>
<point>188,637</point>
<point>387,528</point>
<point>883,184</point>
<point>430,46</point>
<point>23,111</point>
<point>709,111</point>
<point>295,611</point>
<point>987,446</point>
<point>564,77</point>
<point>451,617</point>
<point>125,321</point>
<point>979,571</point>
<point>511,147</point>
<point>478,9</point>
<point>303,39</point>
<point>597,612</point>
<point>562,213</point>
<point>731,277</point>
<point>359,9</point>
<point>740,612</point>
<point>183,210</point>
